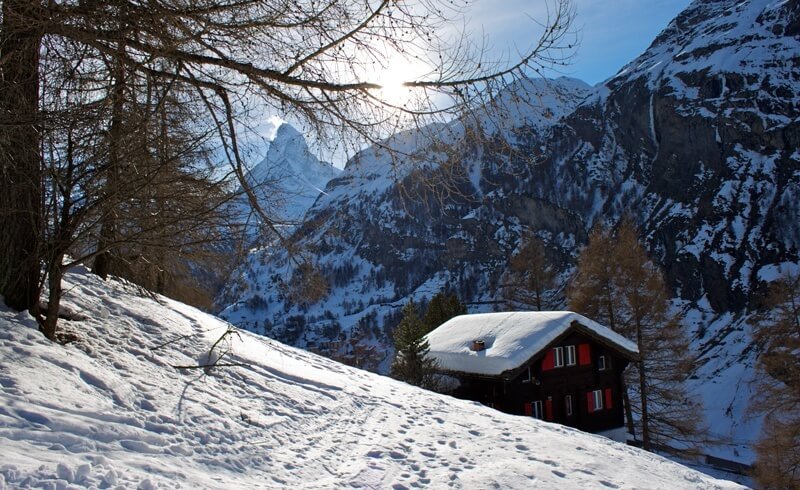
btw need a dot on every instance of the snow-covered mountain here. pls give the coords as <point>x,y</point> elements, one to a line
<point>377,218</point>
<point>289,178</point>
<point>111,410</point>
<point>697,139</point>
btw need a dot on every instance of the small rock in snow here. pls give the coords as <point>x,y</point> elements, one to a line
<point>64,472</point>
<point>146,484</point>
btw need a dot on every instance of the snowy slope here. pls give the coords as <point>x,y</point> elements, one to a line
<point>109,410</point>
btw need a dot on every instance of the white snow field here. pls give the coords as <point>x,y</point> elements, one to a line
<point>109,411</point>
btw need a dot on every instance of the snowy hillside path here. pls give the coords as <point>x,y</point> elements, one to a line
<point>109,410</point>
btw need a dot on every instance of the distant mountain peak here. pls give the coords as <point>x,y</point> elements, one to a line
<point>290,178</point>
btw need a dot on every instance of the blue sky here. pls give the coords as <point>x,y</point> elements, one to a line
<point>612,32</point>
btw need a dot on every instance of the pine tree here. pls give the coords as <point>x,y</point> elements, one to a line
<point>411,363</point>
<point>441,308</point>
<point>618,285</point>
<point>591,291</point>
<point>778,335</point>
<point>530,274</point>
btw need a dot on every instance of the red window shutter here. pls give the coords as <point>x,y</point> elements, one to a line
<point>609,399</point>
<point>549,361</point>
<point>528,409</point>
<point>584,354</point>
<point>590,401</point>
<point>548,409</point>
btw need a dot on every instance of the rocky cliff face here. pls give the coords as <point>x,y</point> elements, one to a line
<point>697,139</point>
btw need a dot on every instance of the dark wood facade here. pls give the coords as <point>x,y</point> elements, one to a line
<point>575,381</point>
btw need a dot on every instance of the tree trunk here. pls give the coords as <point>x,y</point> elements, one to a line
<point>626,400</point>
<point>54,275</point>
<point>643,390</point>
<point>21,175</point>
<point>104,263</point>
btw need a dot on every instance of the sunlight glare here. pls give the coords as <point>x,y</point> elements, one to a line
<point>391,79</point>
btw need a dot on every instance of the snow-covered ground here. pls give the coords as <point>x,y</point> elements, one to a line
<point>110,410</point>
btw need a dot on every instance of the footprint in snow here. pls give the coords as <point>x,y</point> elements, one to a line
<point>559,474</point>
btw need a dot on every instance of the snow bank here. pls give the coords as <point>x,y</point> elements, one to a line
<point>511,339</point>
<point>109,410</point>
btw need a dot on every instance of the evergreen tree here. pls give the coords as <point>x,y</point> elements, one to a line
<point>441,308</point>
<point>411,363</point>
<point>530,274</point>
<point>618,285</point>
<point>778,335</point>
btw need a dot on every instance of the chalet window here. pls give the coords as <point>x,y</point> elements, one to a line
<point>571,359</point>
<point>601,363</point>
<point>527,378</point>
<point>568,405</point>
<point>537,409</point>
<point>597,396</point>
<point>558,358</point>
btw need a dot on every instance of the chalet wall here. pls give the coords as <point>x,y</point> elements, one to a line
<point>551,385</point>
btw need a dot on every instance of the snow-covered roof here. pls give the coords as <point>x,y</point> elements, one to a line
<point>510,338</point>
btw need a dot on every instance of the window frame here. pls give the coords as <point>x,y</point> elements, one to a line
<point>529,377</point>
<point>558,357</point>
<point>537,409</point>
<point>597,396</point>
<point>602,364</point>
<point>568,405</point>
<point>572,357</point>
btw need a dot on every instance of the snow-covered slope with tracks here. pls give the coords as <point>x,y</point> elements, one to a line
<point>110,410</point>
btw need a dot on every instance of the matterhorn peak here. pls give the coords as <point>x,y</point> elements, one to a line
<point>289,178</point>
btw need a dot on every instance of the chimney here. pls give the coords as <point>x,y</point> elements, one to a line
<point>478,345</point>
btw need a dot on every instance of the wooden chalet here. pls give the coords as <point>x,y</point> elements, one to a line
<point>557,366</point>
